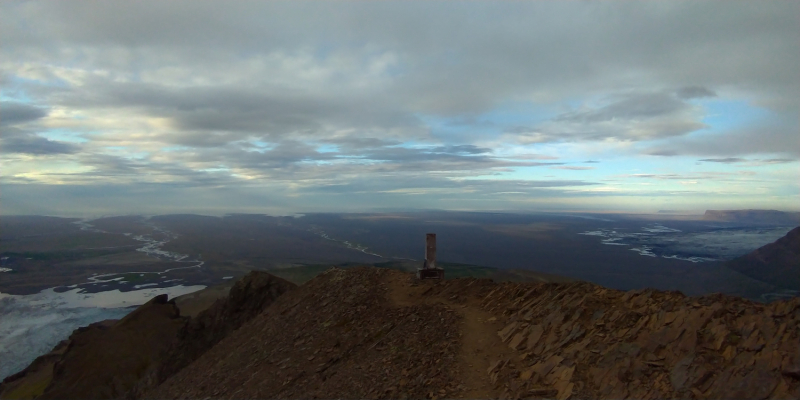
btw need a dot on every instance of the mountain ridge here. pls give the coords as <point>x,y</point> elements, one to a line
<point>776,263</point>
<point>367,332</point>
<point>342,335</point>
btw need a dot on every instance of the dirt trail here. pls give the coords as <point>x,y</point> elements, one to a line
<point>480,344</point>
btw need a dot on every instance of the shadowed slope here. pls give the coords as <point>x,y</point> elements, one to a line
<point>777,263</point>
<point>111,359</point>
<point>104,362</point>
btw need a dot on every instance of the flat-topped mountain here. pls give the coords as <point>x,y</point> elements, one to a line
<point>755,217</point>
<point>380,333</point>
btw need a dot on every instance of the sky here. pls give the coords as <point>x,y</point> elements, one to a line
<point>119,107</point>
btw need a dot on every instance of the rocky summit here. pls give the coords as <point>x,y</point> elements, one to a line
<point>381,333</point>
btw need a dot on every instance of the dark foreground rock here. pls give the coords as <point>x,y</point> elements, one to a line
<point>348,334</point>
<point>113,359</point>
<point>248,297</point>
<point>379,333</point>
<point>103,360</point>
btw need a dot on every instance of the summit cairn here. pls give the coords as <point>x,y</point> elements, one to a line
<point>429,269</point>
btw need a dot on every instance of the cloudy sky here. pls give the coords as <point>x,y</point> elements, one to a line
<point>155,107</point>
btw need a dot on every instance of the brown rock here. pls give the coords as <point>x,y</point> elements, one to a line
<point>506,332</point>
<point>525,375</point>
<point>729,353</point>
<point>535,333</point>
<point>754,342</point>
<point>697,393</point>
<point>517,340</point>
<point>495,366</point>
<point>543,392</point>
<point>793,373</point>
<point>544,368</point>
<point>680,373</point>
<point>755,385</point>
<point>566,392</point>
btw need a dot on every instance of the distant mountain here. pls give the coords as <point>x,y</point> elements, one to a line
<point>755,217</point>
<point>777,263</point>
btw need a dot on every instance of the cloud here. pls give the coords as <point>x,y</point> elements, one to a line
<point>774,138</point>
<point>779,160</point>
<point>311,99</point>
<point>663,153</point>
<point>573,168</point>
<point>627,117</point>
<point>461,149</point>
<point>694,92</point>
<point>727,160</point>
<point>639,106</point>
<point>750,162</point>
<point>16,140</point>
<point>14,113</point>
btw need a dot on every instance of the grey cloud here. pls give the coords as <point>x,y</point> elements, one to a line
<point>648,105</point>
<point>483,66</point>
<point>16,140</point>
<point>774,139</point>
<point>452,158</point>
<point>461,149</point>
<point>282,155</point>
<point>572,168</point>
<point>663,153</point>
<point>668,176</point>
<point>448,187</point>
<point>235,113</point>
<point>14,113</point>
<point>523,47</point>
<point>629,117</point>
<point>695,92</point>
<point>736,160</point>
<point>356,143</point>
<point>363,79</point>
<point>356,195</point>
<point>727,160</point>
<point>297,161</point>
<point>779,160</point>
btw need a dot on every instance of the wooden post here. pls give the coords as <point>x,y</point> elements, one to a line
<point>429,269</point>
<point>430,250</point>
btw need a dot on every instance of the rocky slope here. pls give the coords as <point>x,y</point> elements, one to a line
<point>103,360</point>
<point>777,263</point>
<point>248,298</point>
<point>377,333</point>
<point>380,333</point>
<point>112,359</point>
